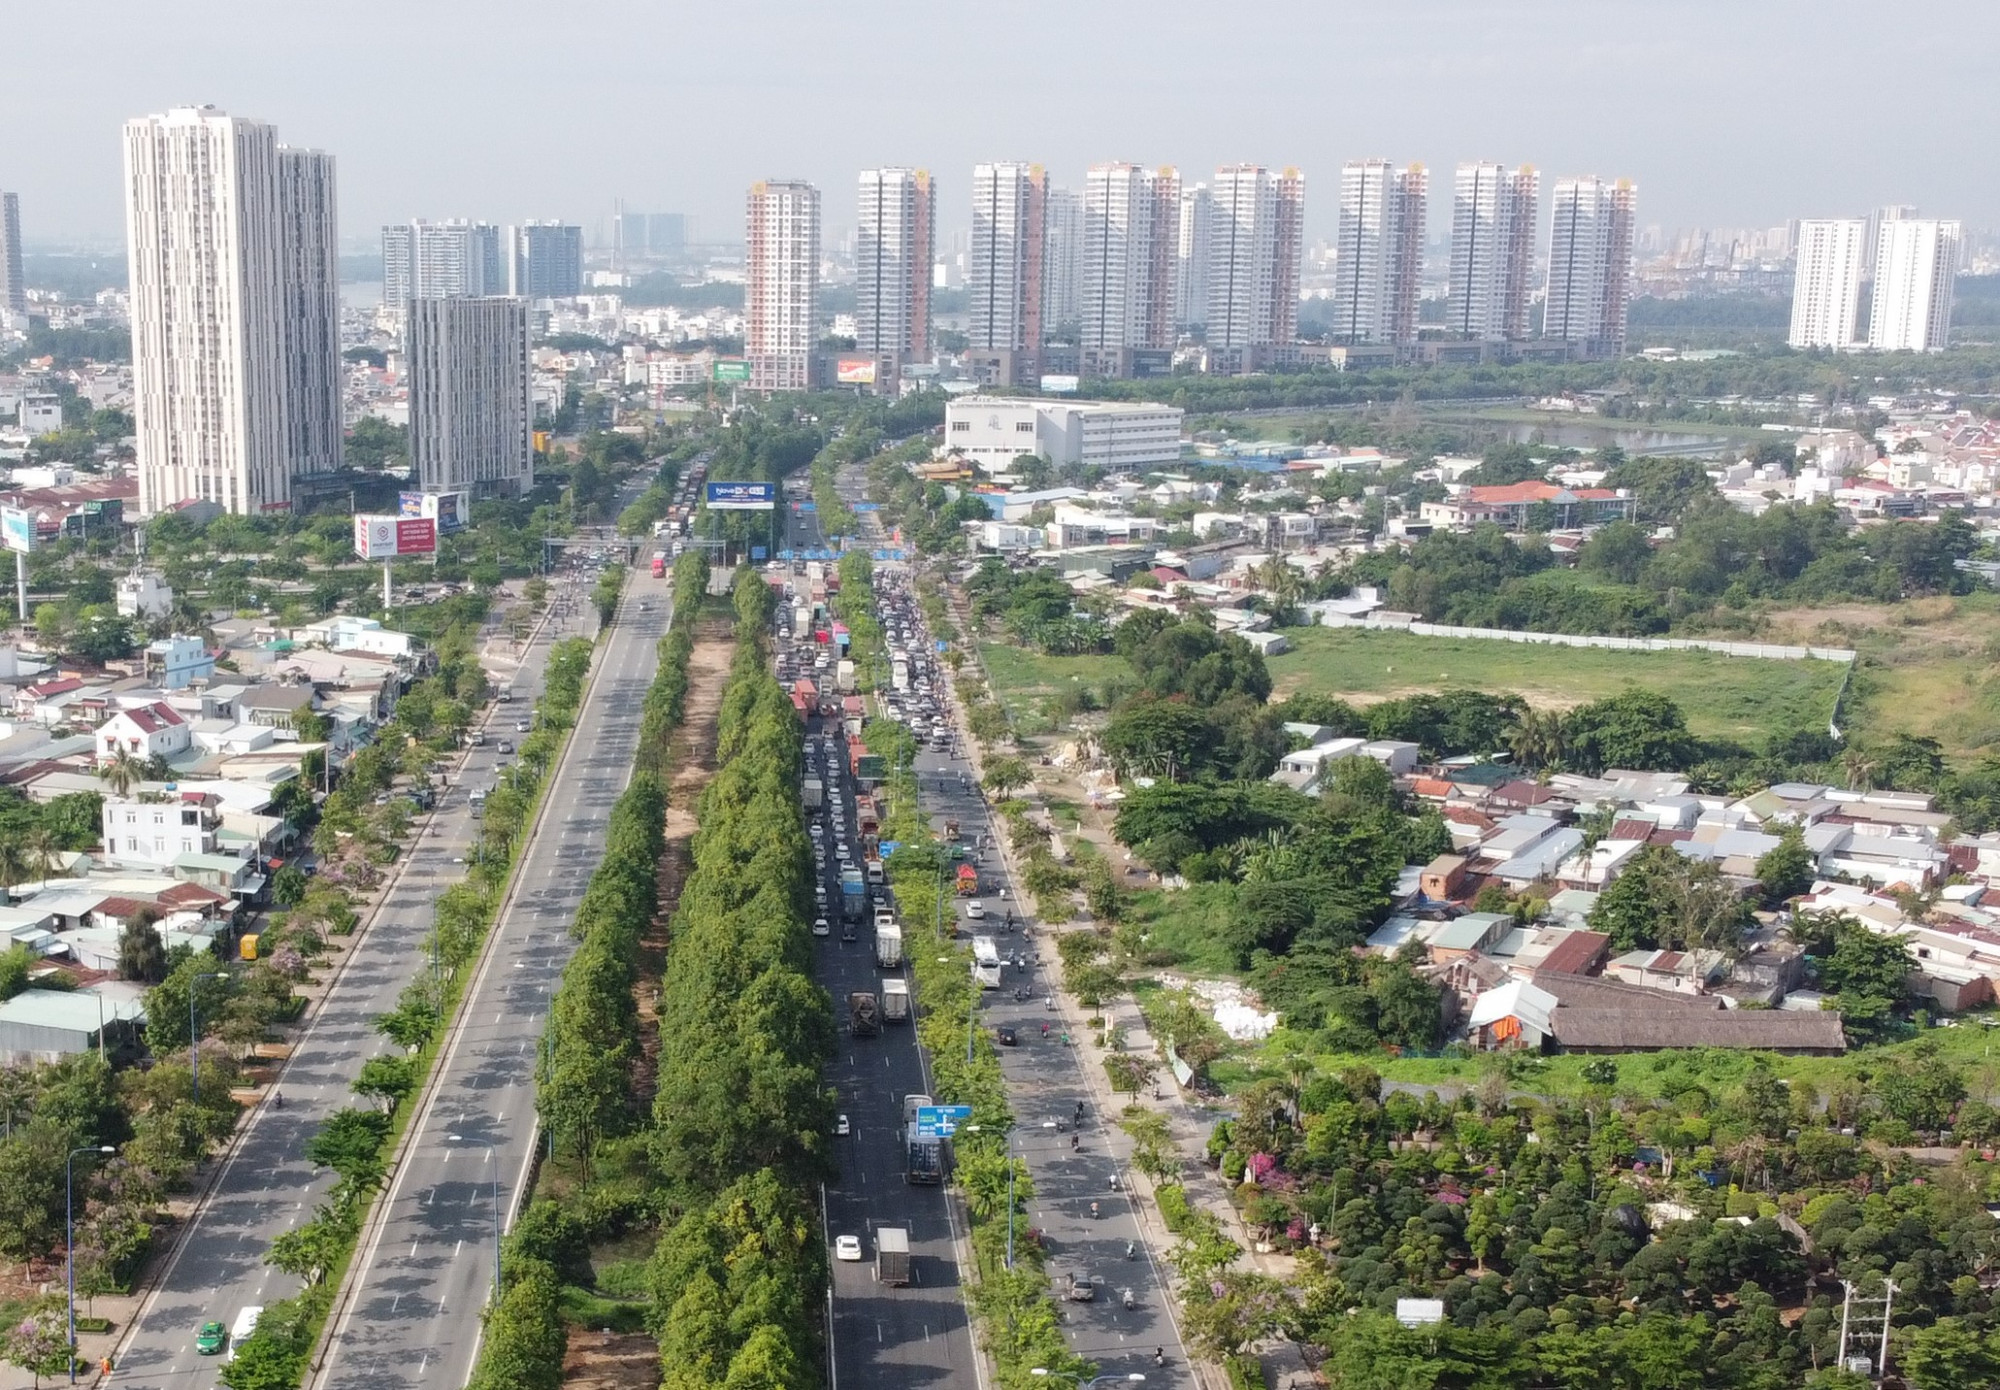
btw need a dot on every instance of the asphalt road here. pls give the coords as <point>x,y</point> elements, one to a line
<point>1044,1085</point>
<point>266,1186</point>
<point>916,1337</point>
<point>424,1275</point>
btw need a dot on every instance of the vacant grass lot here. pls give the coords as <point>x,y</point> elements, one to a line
<point>1723,696</point>
<point>1024,679</point>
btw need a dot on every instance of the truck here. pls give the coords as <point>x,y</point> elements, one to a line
<point>986,962</point>
<point>813,793</point>
<point>968,881</point>
<point>853,894</point>
<point>802,619</point>
<point>892,1256</point>
<point>888,945</point>
<point>924,1162</point>
<point>659,564</point>
<point>862,1019</point>
<point>895,1000</point>
<point>844,672</point>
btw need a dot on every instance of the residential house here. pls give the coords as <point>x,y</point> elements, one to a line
<point>153,730</point>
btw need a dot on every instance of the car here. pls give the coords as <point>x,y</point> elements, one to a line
<point>847,1247</point>
<point>1081,1289</point>
<point>212,1338</point>
<point>1005,1036</point>
<point>841,1127</point>
<point>521,726</point>
<point>816,830</point>
<point>847,935</point>
<point>975,910</point>
<point>505,745</point>
<point>820,928</point>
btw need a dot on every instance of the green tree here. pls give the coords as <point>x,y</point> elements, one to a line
<point>1786,869</point>
<point>142,955</point>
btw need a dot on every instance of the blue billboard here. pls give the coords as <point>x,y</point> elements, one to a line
<point>741,497</point>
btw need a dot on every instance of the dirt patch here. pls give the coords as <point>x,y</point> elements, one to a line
<point>691,764</point>
<point>611,1361</point>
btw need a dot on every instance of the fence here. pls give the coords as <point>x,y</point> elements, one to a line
<point>1762,650</point>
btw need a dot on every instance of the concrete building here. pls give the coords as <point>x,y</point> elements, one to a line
<point>235,376</point>
<point>1193,219</point>
<point>145,596</point>
<point>1005,264</point>
<point>1062,261</point>
<point>1255,244</point>
<point>781,303</point>
<point>1590,265</point>
<point>1493,216</point>
<point>1826,282</point>
<point>441,260</point>
<point>894,247</point>
<point>13,288</point>
<point>1130,254</point>
<point>470,417</point>
<point>1380,251</point>
<point>1916,267</point>
<point>992,430</point>
<point>544,261</point>
<point>309,279</point>
<point>145,731</point>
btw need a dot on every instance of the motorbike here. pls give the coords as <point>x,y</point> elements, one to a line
<point>1129,1300</point>
<point>1131,1249</point>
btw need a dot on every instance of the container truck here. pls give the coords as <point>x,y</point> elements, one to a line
<point>888,945</point>
<point>862,1019</point>
<point>895,1000</point>
<point>853,894</point>
<point>659,564</point>
<point>813,793</point>
<point>845,673</point>
<point>925,1163</point>
<point>892,1256</point>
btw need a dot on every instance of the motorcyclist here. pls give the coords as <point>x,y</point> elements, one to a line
<point>1093,1211</point>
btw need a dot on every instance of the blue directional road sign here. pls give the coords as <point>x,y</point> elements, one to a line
<point>941,1121</point>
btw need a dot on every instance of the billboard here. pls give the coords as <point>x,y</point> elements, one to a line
<point>452,511</point>
<point>854,371</point>
<point>741,497</point>
<point>730,369</point>
<point>375,537</point>
<point>410,503</point>
<point>1064,385</point>
<point>17,529</point>
<point>386,537</point>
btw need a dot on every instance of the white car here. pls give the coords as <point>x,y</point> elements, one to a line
<point>816,830</point>
<point>975,910</point>
<point>847,1247</point>
<point>820,928</point>
<point>841,1127</point>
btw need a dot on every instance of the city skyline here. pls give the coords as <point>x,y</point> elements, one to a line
<point>1673,74</point>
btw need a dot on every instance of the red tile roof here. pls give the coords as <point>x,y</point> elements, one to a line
<point>154,717</point>
<point>1510,494</point>
<point>60,687</point>
<point>1575,953</point>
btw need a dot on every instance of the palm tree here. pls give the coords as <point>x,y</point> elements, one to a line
<point>1860,769</point>
<point>44,851</point>
<point>13,868</point>
<point>1539,738</point>
<point>122,773</point>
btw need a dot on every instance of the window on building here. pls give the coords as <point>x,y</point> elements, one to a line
<point>1024,427</point>
<point>960,426</point>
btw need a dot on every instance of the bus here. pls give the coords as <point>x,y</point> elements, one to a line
<point>985,962</point>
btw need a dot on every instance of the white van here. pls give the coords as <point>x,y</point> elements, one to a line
<point>245,1324</point>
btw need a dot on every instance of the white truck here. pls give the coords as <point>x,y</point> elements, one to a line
<point>895,999</point>
<point>888,945</point>
<point>813,793</point>
<point>844,673</point>
<point>899,675</point>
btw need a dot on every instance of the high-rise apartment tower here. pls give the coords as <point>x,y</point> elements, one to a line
<point>781,303</point>
<point>1130,243</point>
<point>441,260</point>
<point>894,248</point>
<point>1005,260</point>
<point>1380,250</point>
<point>13,289</point>
<point>544,261</point>
<point>1193,218</point>
<point>1590,265</point>
<point>470,417</point>
<point>1255,236</point>
<point>1062,260</point>
<point>235,372</point>
<point>1826,282</point>
<point>1916,270</point>
<point>1493,213</point>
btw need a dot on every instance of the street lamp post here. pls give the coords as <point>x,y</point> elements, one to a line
<point>69,1239</point>
<point>194,1028</point>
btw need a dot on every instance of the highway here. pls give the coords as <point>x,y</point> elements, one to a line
<point>918,1337</point>
<point>1045,1084</point>
<point>425,1268</point>
<point>265,1186</point>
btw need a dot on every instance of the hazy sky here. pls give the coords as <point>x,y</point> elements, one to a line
<point>1726,112</point>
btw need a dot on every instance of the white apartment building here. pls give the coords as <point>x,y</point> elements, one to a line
<point>13,288</point>
<point>1916,267</point>
<point>157,832</point>
<point>781,303</point>
<point>991,431</point>
<point>1004,263</point>
<point>471,421</point>
<point>225,351</point>
<point>1380,251</point>
<point>1062,262</point>
<point>309,278</point>
<point>1826,282</point>
<point>1130,244</point>
<point>1590,265</point>
<point>1255,244</point>
<point>441,260</point>
<point>1493,216</point>
<point>894,247</point>
<point>1193,219</point>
